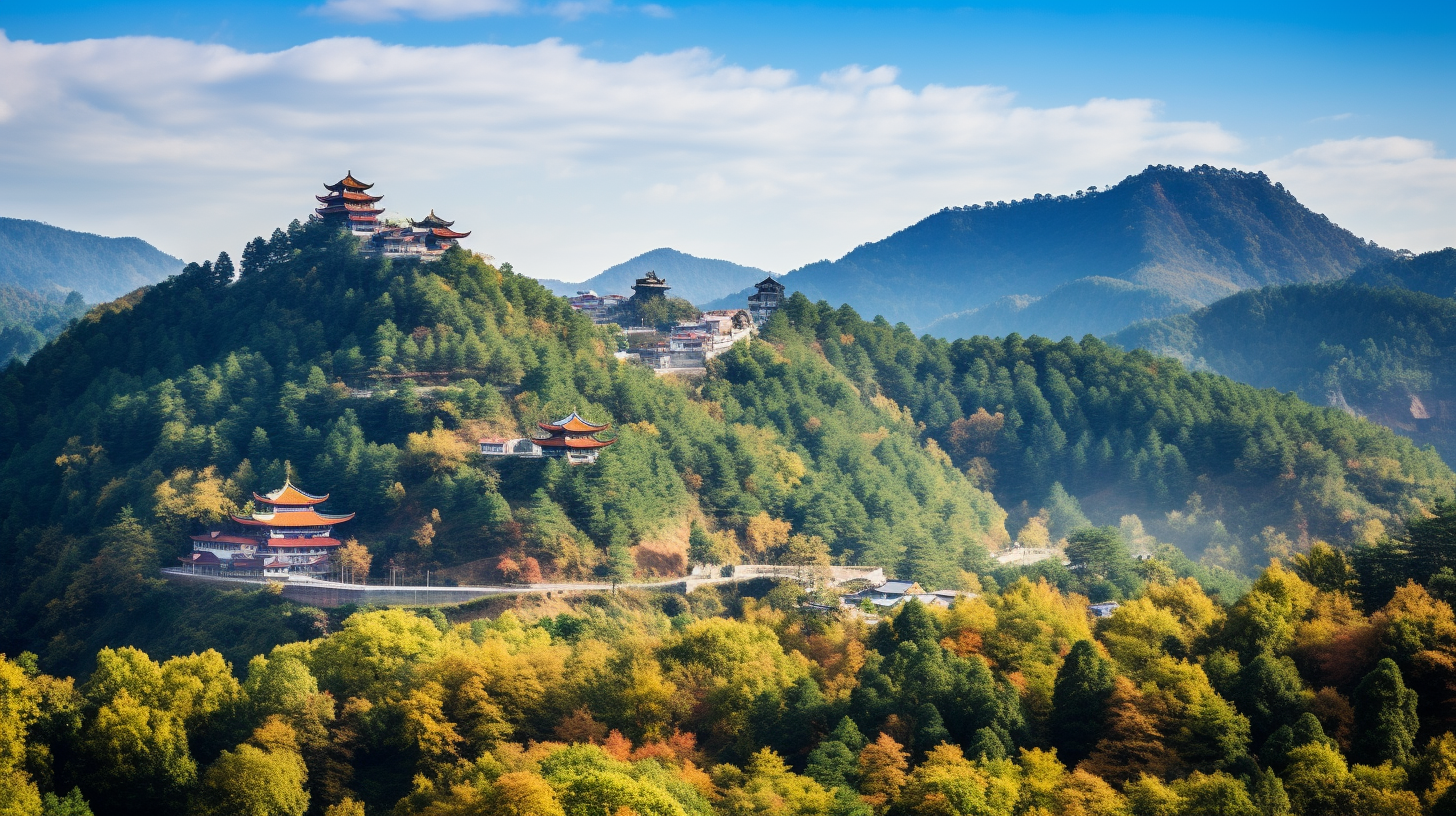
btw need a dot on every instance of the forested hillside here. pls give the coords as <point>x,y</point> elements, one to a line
<point>53,261</point>
<point>1431,272</point>
<point>1085,306</point>
<point>28,319</point>
<point>1194,235</point>
<point>1324,686</point>
<point>156,416</point>
<point>1132,433</point>
<point>697,280</point>
<point>1385,353</point>
<point>1306,697</point>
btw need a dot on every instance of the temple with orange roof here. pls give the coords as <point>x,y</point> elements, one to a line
<point>290,539</point>
<point>573,439</point>
<point>349,205</point>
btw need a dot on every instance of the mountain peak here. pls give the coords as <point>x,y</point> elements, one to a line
<point>696,279</point>
<point>1188,235</point>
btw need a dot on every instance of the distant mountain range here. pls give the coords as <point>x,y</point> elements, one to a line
<point>1385,352</point>
<point>53,261</point>
<point>1176,238</point>
<point>699,280</point>
<point>48,275</point>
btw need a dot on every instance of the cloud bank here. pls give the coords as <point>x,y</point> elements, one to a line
<point>564,164</point>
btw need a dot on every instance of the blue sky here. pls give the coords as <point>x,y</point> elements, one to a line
<point>1352,104</point>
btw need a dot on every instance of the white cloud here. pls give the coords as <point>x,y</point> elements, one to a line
<point>561,164</point>
<point>1398,191</point>
<point>370,11</point>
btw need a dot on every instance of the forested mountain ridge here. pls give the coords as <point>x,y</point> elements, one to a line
<point>155,416</point>
<point>29,319</point>
<point>54,261</point>
<point>1206,461</point>
<point>1384,353</point>
<point>1195,235</point>
<point>1431,272</point>
<point>1093,305</point>
<point>697,280</point>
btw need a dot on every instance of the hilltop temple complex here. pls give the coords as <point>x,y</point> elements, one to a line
<point>290,538</point>
<point>573,439</point>
<point>349,205</point>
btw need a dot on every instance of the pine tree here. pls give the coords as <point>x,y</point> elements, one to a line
<point>1432,542</point>
<point>222,271</point>
<point>1097,551</point>
<point>621,567</point>
<point>1269,692</point>
<point>1079,701</point>
<point>1385,716</point>
<point>930,728</point>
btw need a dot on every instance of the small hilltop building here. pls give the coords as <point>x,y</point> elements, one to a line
<point>766,299</point>
<point>291,538</point>
<point>649,287</point>
<point>573,439</point>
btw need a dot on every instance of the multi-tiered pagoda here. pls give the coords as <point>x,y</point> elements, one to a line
<point>290,538</point>
<point>348,205</point>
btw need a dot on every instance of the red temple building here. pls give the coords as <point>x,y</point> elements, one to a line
<point>426,239</point>
<point>291,538</point>
<point>348,205</point>
<point>573,439</point>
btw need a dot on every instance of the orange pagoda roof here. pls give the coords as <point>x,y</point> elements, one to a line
<point>441,232</point>
<point>290,495</point>
<point>292,518</point>
<point>572,442</point>
<point>348,195</point>
<point>572,424</point>
<point>348,182</point>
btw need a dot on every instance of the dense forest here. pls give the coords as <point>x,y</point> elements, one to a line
<point>1193,235</point>
<point>1385,353</point>
<point>1307,696</point>
<point>1205,461</point>
<point>1431,272</point>
<point>28,320</point>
